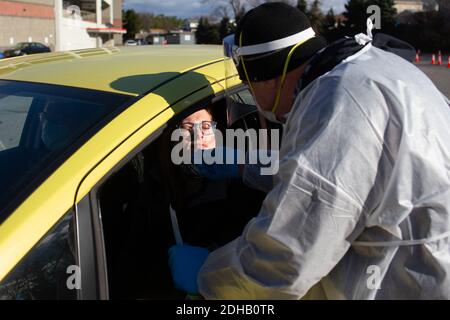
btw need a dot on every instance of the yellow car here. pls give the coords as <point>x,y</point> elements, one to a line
<point>86,187</point>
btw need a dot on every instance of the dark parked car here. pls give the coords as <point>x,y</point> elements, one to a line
<point>24,48</point>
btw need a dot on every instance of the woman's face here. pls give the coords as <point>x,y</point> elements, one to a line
<point>201,137</point>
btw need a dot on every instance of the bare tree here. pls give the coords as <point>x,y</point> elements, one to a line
<point>259,2</point>
<point>237,8</point>
<point>221,11</point>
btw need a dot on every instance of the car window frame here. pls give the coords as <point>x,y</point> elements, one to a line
<point>89,209</point>
<point>87,262</point>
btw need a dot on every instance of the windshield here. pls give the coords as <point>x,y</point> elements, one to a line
<point>39,123</point>
<point>20,45</point>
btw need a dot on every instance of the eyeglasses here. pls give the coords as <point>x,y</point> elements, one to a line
<point>207,127</point>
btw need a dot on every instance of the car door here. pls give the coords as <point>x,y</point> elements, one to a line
<point>27,49</point>
<point>62,207</point>
<point>71,272</point>
<point>86,198</point>
<point>115,168</point>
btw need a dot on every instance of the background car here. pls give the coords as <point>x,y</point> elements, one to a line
<point>131,42</point>
<point>1,55</point>
<point>87,189</point>
<point>142,42</point>
<point>26,48</point>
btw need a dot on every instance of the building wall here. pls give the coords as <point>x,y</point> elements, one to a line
<point>75,36</point>
<point>412,6</point>
<point>23,9</point>
<point>44,2</point>
<point>187,38</point>
<point>117,21</point>
<point>28,20</point>
<point>24,20</point>
<point>39,30</point>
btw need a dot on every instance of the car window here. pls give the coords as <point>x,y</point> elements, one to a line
<point>21,45</point>
<point>241,104</point>
<point>13,113</point>
<point>39,123</point>
<point>133,210</point>
<point>49,270</point>
<point>246,97</point>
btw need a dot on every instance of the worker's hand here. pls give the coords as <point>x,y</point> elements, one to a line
<point>228,164</point>
<point>185,262</point>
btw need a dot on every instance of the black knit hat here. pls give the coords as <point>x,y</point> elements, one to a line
<point>269,22</point>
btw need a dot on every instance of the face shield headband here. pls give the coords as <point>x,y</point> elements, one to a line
<point>238,52</point>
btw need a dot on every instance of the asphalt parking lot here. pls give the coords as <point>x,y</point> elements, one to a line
<point>439,74</point>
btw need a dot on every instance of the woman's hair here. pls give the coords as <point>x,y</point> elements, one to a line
<point>209,110</point>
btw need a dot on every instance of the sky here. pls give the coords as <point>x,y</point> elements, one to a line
<point>196,8</point>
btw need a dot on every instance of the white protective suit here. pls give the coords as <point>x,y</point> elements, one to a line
<point>361,204</point>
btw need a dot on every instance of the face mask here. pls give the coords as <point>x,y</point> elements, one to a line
<point>54,136</point>
<point>269,115</point>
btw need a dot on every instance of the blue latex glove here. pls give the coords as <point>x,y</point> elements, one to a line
<point>220,171</point>
<point>185,262</point>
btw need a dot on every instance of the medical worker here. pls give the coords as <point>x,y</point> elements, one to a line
<point>360,206</point>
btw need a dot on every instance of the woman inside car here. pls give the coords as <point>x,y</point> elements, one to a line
<point>198,130</point>
<point>208,213</point>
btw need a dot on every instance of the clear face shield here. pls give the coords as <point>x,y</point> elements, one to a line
<point>238,105</point>
<point>241,106</point>
<point>251,130</point>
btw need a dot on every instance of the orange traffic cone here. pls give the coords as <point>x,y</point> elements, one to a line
<point>417,57</point>
<point>440,58</point>
<point>448,65</point>
<point>433,59</point>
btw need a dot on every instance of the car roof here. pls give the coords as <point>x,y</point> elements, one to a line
<point>125,70</point>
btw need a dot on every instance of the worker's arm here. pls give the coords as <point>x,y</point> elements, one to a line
<point>298,237</point>
<point>256,169</point>
<point>260,168</point>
